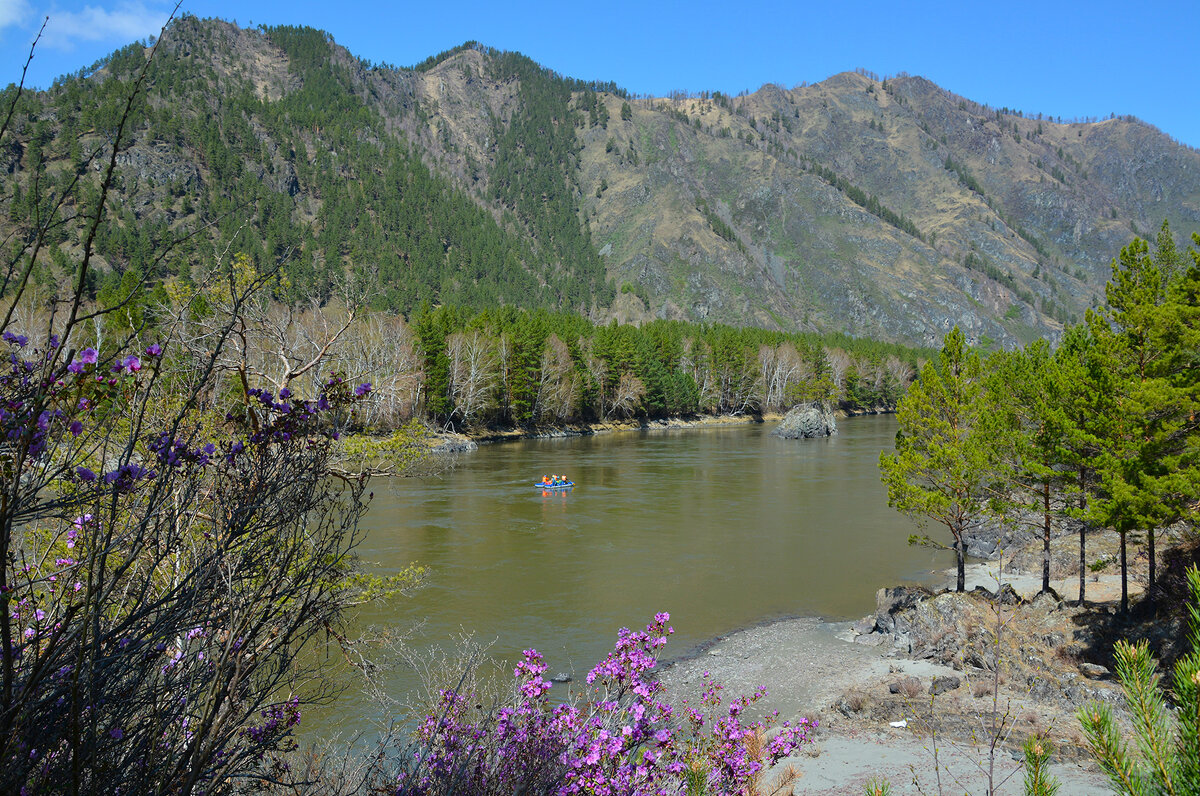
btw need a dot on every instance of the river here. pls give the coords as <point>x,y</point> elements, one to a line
<point>722,527</point>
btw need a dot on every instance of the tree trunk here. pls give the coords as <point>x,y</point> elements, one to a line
<point>962,567</point>
<point>1124,577</point>
<point>1046,536</point>
<point>1082,565</point>
<point>1150,578</point>
<point>1082,529</point>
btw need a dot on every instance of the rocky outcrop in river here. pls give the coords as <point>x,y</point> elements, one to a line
<point>806,421</point>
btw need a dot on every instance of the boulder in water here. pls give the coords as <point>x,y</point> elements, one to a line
<point>806,421</point>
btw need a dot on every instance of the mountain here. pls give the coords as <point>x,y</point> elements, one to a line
<point>887,208</point>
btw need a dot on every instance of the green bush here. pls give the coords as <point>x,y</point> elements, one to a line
<point>1166,757</point>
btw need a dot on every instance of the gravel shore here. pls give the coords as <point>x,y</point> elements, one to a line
<point>809,665</point>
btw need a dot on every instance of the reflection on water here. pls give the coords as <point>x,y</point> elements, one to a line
<point>721,527</point>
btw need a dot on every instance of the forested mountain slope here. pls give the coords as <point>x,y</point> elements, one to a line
<point>885,208</point>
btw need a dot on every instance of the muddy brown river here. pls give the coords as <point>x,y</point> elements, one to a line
<point>722,527</point>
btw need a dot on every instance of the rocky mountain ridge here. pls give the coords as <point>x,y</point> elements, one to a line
<point>887,208</point>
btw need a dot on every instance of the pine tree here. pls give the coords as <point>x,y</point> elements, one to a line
<point>1167,756</point>
<point>1031,427</point>
<point>1088,404</point>
<point>1148,463</point>
<point>943,458</point>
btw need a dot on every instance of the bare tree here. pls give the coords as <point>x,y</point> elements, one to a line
<point>780,369</point>
<point>839,364</point>
<point>380,349</point>
<point>628,397</point>
<point>473,374</point>
<point>696,361</point>
<point>558,387</point>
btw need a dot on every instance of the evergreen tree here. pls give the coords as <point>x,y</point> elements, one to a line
<point>1028,389</point>
<point>1087,404</point>
<point>1148,463</point>
<point>1166,759</point>
<point>943,459</point>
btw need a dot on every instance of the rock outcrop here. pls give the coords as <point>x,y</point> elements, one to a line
<point>807,421</point>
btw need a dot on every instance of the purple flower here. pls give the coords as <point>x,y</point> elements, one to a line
<point>88,356</point>
<point>362,389</point>
<point>125,476</point>
<point>131,364</point>
<point>75,367</point>
<point>284,394</point>
<point>76,428</point>
<point>84,474</point>
<point>153,350</point>
<point>116,733</point>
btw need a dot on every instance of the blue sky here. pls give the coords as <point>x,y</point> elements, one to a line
<point>1059,58</point>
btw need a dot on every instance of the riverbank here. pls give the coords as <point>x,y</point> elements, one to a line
<point>455,442</point>
<point>811,669</point>
<point>487,435</point>
<point>920,674</point>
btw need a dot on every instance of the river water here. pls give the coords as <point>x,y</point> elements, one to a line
<point>722,527</point>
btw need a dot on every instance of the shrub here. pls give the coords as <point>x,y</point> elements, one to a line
<point>1166,759</point>
<point>620,736</point>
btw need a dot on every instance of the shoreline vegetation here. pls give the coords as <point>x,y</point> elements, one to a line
<point>456,442</point>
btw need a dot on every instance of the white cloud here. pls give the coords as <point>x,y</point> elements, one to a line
<point>13,12</point>
<point>125,22</point>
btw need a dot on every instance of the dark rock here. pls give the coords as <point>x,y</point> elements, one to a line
<point>850,704</point>
<point>1094,671</point>
<point>891,601</point>
<point>941,685</point>
<point>1049,600</point>
<point>807,421</point>
<point>909,686</point>
<point>561,677</point>
<point>10,157</point>
<point>1008,595</point>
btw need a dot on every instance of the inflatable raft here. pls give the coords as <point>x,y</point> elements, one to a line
<point>559,485</point>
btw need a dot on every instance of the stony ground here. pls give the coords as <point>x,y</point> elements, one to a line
<point>859,686</point>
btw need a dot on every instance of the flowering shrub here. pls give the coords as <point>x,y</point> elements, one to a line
<point>157,585</point>
<point>619,737</point>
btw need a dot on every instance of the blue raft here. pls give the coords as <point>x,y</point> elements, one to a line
<point>560,485</point>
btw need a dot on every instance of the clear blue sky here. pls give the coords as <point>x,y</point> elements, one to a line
<point>1065,59</point>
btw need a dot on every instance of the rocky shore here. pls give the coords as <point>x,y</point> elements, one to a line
<point>931,669</point>
<point>453,442</point>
